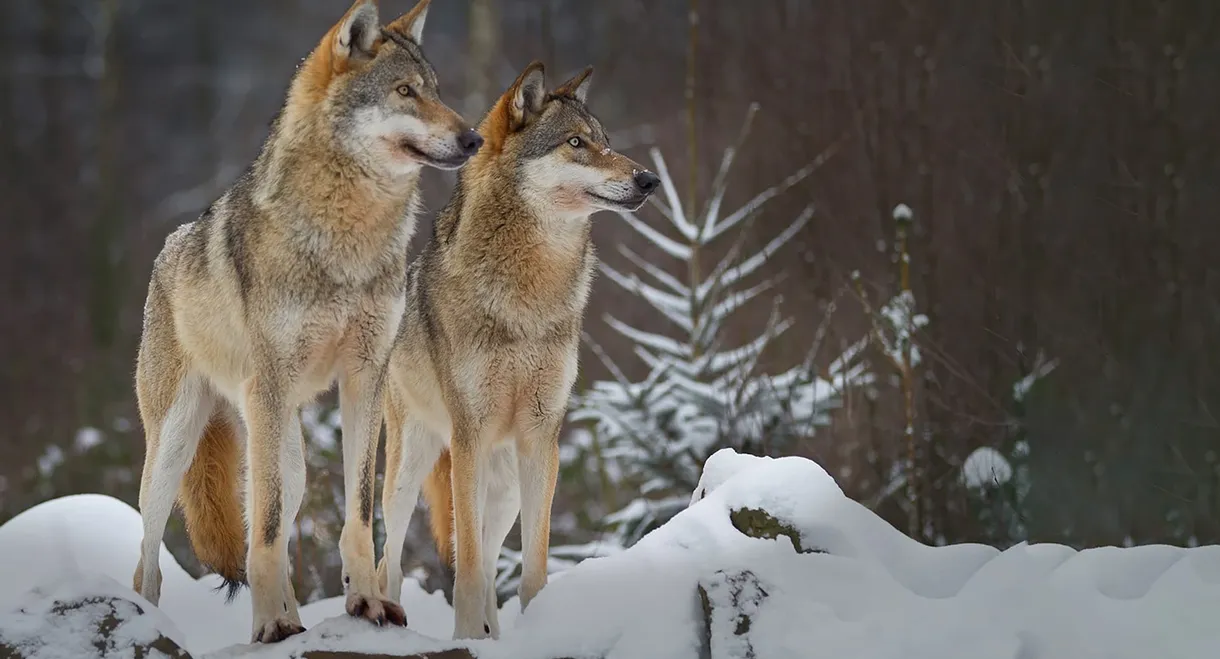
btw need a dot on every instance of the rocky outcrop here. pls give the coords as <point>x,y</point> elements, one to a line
<point>758,523</point>
<point>731,601</point>
<point>100,626</point>
<point>458,653</point>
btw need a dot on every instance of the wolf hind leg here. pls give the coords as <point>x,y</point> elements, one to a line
<point>406,468</point>
<point>293,461</point>
<point>171,442</point>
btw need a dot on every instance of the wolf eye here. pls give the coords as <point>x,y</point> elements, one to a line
<point>576,142</point>
<point>406,90</point>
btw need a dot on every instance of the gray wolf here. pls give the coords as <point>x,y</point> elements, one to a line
<point>486,352</point>
<point>292,280</point>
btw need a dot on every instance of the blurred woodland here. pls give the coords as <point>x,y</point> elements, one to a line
<point>1059,162</point>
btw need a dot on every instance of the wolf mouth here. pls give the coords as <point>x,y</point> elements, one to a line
<point>452,162</point>
<point>631,204</point>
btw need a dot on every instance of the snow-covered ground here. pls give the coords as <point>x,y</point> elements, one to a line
<point>858,588</point>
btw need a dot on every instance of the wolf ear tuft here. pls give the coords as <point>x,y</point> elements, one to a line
<point>578,86</point>
<point>357,34</point>
<point>527,95</point>
<point>411,24</point>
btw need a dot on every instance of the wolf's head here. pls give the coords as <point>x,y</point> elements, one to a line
<point>559,150</point>
<point>379,93</point>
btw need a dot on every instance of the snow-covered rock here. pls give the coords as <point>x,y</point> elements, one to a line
<point>83,617</point>
<point>770,561</point>
<point>873,593</point>
<point>93,538</point>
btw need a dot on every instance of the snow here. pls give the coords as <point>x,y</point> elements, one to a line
<point>1042,368</point>
<point>874,593</point>
<point>866,590</point>
<point>50,460</point>
<point>93,536</point>
<point>41,631</point>
<point>86,438</point>
<point>986,467</point>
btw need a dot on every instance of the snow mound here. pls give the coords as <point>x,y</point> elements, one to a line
<point>83,533</point>
<point>860,588</point>
<point>82,616</point>
<point>98,535</point>
<point>88,545</point>
<point>769,561</point>
<point>986,467</point>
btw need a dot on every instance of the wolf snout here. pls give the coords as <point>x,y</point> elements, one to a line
<point>469,141</point>
<point>647,182</point>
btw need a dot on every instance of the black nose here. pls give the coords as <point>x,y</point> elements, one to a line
<point>647,181</point>
<point>470,141</point>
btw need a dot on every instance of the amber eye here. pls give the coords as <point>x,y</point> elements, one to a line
<point>576,142</point>
<point>406,90</point>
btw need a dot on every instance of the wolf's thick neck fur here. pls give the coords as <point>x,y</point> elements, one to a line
<point>330,204</point>
<point>541,257</point>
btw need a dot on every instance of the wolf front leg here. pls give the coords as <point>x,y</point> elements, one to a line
<point>468,450</point>
<point>360,400</point>
<point>538,469</point>
<point>277,483</point>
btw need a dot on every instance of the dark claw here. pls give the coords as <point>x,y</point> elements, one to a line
<point>377,611</point>
<point>486,628</point>
<point>395,614</point>
<point>279,631</point>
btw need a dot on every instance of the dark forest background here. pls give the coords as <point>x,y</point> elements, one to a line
<point>1060,160</point>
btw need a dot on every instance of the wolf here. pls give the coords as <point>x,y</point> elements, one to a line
<point>486,353</point>
<point>293,279</point>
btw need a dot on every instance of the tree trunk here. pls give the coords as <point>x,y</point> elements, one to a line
<point>484,46</point>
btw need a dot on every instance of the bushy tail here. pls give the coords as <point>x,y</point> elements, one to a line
<point>438,491</point>
<point>211,502</point>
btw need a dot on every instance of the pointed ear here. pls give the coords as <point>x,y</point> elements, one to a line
<point>578,86</point>
<point>526,95</point>
<point>356,36</point>
<point>411,24</point>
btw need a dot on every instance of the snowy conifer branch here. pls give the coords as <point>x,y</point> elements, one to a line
<point>732,274</point>
<point>605,359</point>
<point>660,275</point>
<point>756,204</point>
<point>671,306</point>
<point>699,394</point>
<point>677,216</point>
<point>650,339</point>
<point>720,184</point>
<point>671,246</point>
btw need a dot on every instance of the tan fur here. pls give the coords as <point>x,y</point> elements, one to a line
<point>486,353</point>
<point>438,492</point>
<point>212,506</point>
<point>292,281</point>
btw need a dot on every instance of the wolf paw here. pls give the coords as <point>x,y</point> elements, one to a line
<point>277,630</point>
<point>376,610</point>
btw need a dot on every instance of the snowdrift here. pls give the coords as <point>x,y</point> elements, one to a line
<point>770,560</point>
